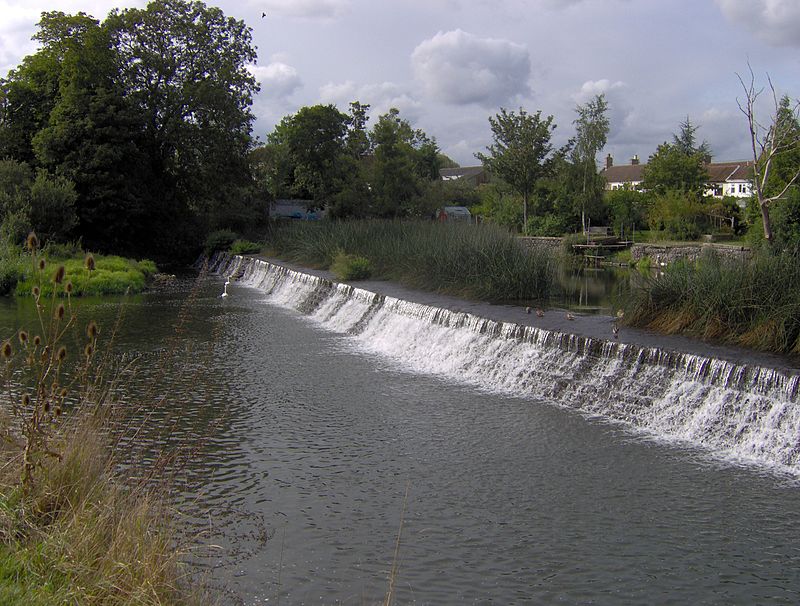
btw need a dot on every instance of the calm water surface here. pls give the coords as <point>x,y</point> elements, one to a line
<point>301,450</point>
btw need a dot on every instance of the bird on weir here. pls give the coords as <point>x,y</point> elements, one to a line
<point>615,330</point>
<point>570,316</point>
<point>539,312</point>
<point>225,289</point>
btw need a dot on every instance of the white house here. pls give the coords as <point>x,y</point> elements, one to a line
<point>725,178</point>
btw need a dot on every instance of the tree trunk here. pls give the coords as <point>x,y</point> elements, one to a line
<point>525,214</point>
<point>765,219</point>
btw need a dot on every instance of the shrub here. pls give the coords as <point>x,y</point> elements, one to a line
<point>350,267</point>
<point>219,240</point>
<point>244,247</point>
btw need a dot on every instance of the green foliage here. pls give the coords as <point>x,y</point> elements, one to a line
<point>628,209</point>
<point>476,261</point>
<point>750,302</point>
<point>112,275</point>
<point>677,167</point>
<point>219,240</point>
<point>244,247</point>
<point>522,152</point>
<point>548,225</point>
<point>677,213</point>
<point>147,115</point>
<point>350,267</point>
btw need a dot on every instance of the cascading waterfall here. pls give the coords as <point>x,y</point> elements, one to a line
<point>743,412</point>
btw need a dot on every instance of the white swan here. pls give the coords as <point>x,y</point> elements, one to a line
<point>225,289</point>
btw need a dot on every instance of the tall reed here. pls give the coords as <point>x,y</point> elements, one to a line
<point>751,302</point>
<point>476,261</point>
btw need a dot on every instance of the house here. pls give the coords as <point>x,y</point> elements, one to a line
<point>725,178</point>
<point>474,175</point>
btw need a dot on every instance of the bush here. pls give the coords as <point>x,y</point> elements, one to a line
<point>244,247</point>
<point>219,240</point>
<point>351,267</point>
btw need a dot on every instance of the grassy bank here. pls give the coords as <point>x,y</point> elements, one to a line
<point>72,531</point>
<point>474,261</point>
<point>111,275</point>
<point>753,303</point>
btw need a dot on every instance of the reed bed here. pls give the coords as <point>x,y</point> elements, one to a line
<point>481,262</point>
<point>752,302</point>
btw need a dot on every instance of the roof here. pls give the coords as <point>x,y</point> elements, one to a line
<point>718,172</point>
<point>625,173</point>
<point>461,172</point>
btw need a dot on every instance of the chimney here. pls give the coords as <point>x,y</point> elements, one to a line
<point>609,161</point>
<point>634,160</point>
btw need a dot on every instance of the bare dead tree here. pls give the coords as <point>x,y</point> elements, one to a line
<point>768,141</point>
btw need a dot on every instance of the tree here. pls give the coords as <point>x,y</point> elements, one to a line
<point>671,169</point>
<point>591,128</point>
<point>771,143</point>
<point>686,140</point>
<point>521,153</point>
<point>184,67</point>
<point>405,161</point>
<point>308,147</point>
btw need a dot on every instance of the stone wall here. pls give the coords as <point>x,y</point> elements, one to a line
<point>531,241</point>
<point>665,254</point>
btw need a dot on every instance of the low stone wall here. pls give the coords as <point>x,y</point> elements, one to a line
<point>531,241</point>
<point>663,255</point>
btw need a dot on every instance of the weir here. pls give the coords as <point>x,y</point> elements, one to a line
<point>741,412</point>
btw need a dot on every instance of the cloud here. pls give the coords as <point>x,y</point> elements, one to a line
<point>277,79</point>
<point>381,97</point>
<point>777,22</point>
<point>592,88</point>
<point>460,68</point>
<point>304,9</point>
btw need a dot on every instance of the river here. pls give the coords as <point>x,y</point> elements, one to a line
<point>314,439</point>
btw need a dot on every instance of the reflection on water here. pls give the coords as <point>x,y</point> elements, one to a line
<point>298,448</point>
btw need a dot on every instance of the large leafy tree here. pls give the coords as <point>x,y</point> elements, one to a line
<point>308,148</point>
<point>93,136</point>
<point>405,162</point>
<point>522,152</point>
<point>183,66</point>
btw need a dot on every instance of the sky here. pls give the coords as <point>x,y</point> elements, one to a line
<point>448,65</point>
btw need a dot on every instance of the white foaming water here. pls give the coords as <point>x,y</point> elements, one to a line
<point>742,412</point>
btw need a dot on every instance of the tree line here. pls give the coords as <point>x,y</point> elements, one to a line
<point>131,134</point>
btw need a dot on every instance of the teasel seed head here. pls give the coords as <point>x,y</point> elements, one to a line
<point>60,311</point>
<point>64,392</point>
<point>62,353</point>
<point>68,287</point>
<point>46,406</point>
<point>6,350</point>
<point>42,264</point>
<point>31,242</point>
<point>23,337</point>
<point>57,411</point>
<point>90,262</point>
<point>92,330</point>
<point>36,291</point>
<point>37,340</point>
<point>88,350</point>
<point>58,278</point>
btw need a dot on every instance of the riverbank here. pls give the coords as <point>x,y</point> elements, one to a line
<point>89,274</point>
<point>556,320</point>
